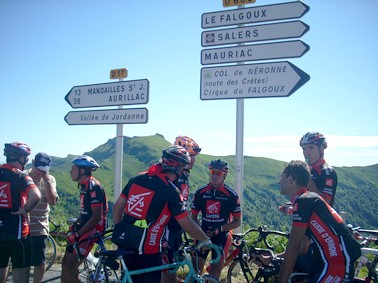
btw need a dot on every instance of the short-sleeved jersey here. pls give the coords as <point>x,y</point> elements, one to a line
<point>217,206</point>
<point>331,238</point>
<point>14,188</point>
<point>151,199</point>
<point>325,179</point>
<point>92,194</point>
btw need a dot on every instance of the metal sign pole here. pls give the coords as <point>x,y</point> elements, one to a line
<point>239,172</point>
<point>118,159</point>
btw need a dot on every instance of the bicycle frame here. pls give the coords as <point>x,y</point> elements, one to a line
<point>186,261</point>
<point>128,273</point>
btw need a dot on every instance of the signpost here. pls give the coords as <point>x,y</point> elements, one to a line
<point>112,116</point>
<point>279,50</point>
<point>118,73</point>
<point>109,94</point>
<point>230,3</point>
<point>283,30</point>
<point>268,13</point>
<point>277,79</point>
<point>273,79</point>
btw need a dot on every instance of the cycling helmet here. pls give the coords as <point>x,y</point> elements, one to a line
<point>218,165</point>
<point>175,156</point>
<point>85,161</point>
<point>189,144</point>
<point>16,149</point>
<point>313,138</point>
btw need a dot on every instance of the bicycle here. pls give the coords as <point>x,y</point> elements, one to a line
<point>242,262</point>
<point>97,267</point>
<point>111,261</point>
<point>51,244</point>
<point>366,269</point>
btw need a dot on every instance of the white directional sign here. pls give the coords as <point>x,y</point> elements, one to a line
<point>282,30</point>
<point>250,81</point>
<point>282,11</point>
<point>109,94</point>
<point>114,116</point>
<point>267,51</point>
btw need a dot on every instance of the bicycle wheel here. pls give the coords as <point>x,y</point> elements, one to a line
<point>241,271</point>
<point>50,252</point>
<point>207,278</point>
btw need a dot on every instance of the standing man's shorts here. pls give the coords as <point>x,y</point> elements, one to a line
<point>38,250</point>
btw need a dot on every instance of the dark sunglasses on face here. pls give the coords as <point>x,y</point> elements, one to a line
<point>216,172</point>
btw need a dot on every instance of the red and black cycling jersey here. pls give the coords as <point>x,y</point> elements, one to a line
<point>92,194</point>
<point>331,239</point>
<point>217,206</point>
<point>152,199</point>
<point>325,179</point>
<point>14,188</point>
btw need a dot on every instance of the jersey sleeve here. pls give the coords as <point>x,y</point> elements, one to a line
<point>302,210</point>
<point>328,184</point>
<point>96,194</point>
<point>196,205</point>
<point>236,211</point>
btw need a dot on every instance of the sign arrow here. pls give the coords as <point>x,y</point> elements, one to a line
<point>281,11</point>
<point>282,30</point>
<point>109,94</point>
<point>114,116</point>
<point>267,51</point>
<point>277,79</point>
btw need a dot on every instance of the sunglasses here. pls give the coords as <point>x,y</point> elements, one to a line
<point>216,172</point>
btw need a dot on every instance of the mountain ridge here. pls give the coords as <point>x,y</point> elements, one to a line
<point>260,185</point>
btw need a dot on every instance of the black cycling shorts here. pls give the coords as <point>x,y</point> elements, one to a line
<point>19,251</point>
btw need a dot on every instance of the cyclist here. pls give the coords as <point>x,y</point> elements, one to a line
<point>145,206</point>
<point>173,233</point>
<point>333,247</point>
<point>92,217</point>
<point>39,216</point>
<point>18,196</point>
<point>219,206</point>
<point>323,176</point>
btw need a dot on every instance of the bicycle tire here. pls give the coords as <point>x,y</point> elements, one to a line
<point>237,273</point>
<point>207,278</point>
<point>87,268</point>
<point>50,251</point>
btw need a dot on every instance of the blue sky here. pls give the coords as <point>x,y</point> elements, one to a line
<point>47,47</point>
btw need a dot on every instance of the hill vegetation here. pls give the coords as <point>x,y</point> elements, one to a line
<point>356,192</point>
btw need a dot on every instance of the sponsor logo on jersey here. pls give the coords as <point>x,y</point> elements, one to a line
<point>139,201</point>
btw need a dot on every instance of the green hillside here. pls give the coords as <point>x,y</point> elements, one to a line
<point>356,192</point>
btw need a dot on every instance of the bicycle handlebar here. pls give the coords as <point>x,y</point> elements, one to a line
<point>218,251</point>
<point>263,233</point>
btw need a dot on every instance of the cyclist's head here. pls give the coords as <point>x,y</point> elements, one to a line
<point>218,165</point>
<point>299,172</point>
<point>42,161</point>
<point>175,158</point>
<point>17,151</point>
<point>189,144</point>
<point>85,163</point>
<point>313,138</point>
<point>218,172</point>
